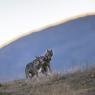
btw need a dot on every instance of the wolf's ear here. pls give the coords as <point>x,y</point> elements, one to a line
<point>49,49</point>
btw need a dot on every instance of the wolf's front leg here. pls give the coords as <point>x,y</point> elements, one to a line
<point>49,67</point>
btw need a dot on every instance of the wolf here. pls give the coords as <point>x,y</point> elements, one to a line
<point>46,61</point>
<point>41,63</point>
<point>32,68</point>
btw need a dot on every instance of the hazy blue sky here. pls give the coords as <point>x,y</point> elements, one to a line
<point>19,17</point>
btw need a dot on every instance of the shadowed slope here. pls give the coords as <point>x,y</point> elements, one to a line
<point>73,44</point>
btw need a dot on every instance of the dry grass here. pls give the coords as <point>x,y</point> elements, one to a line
<point>77,83</point>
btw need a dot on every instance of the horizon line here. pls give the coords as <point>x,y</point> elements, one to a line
<point>47,26</point>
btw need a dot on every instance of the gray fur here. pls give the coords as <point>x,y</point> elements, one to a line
<point>41,62</point>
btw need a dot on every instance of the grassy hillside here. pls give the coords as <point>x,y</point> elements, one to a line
<point>77,83</point>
